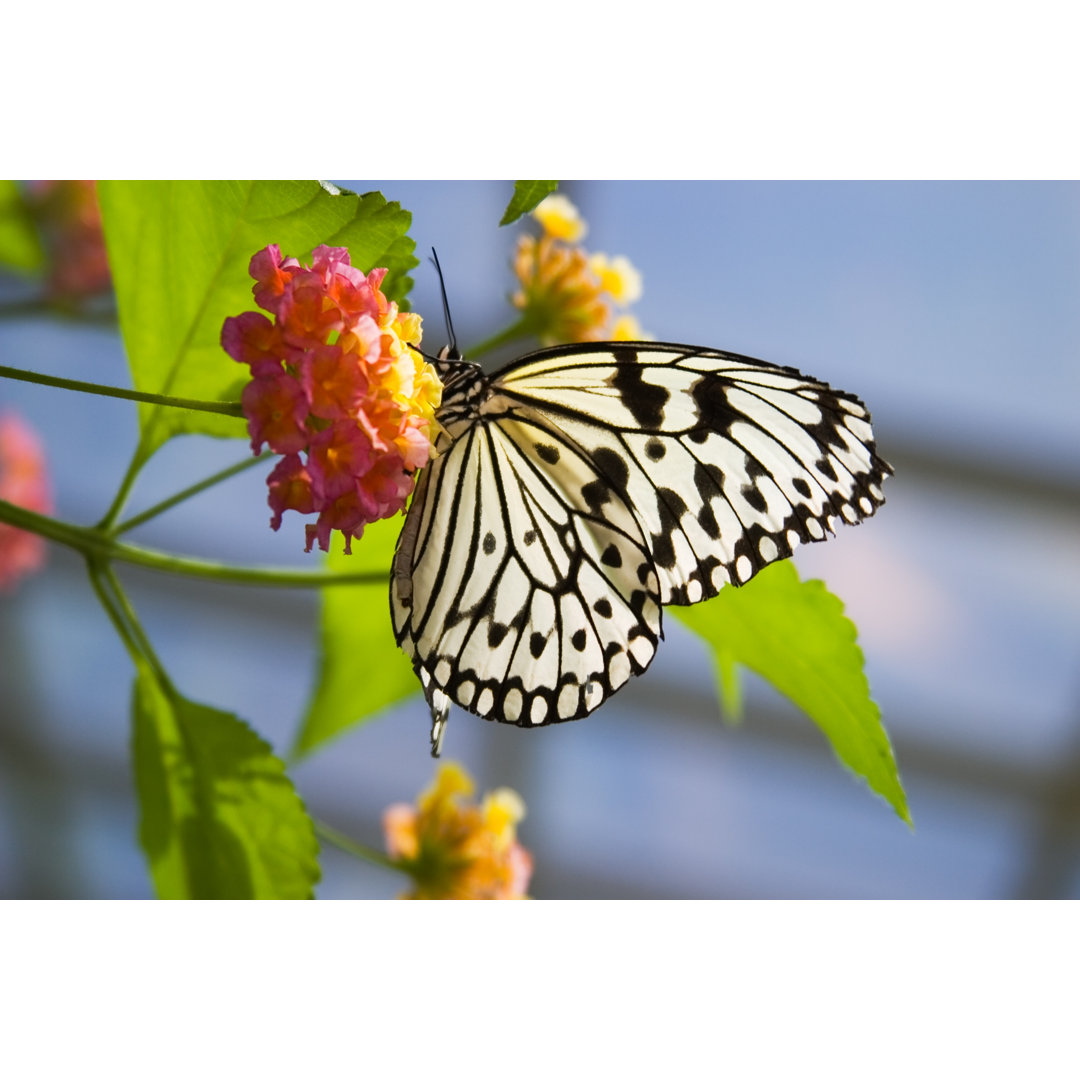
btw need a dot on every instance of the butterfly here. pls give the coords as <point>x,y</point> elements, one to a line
<point>581,489</point>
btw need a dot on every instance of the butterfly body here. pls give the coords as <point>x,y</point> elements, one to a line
<point>579,490</point>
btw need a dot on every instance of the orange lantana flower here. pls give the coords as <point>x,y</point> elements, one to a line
<point>456,850</point>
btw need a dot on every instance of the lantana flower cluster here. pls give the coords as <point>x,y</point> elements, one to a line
<point>24,482</point>
<point>566,294</point>
<point>335,388</point>
<point>456,850</point>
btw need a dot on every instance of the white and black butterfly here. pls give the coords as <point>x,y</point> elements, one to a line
<point>581,488</point>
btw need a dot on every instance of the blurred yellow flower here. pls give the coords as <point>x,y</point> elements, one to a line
<point>617,276</point>
<point>560,218</point>
<point>627,328</point>
<point>567,295</point>
<point>456,850</point>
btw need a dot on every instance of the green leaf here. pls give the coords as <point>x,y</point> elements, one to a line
<point>219,818</point>
<point>361,669</point>
<point>179,253</point>
<point>794,634</point>
<point>527,194</point>
<point>20,245</point>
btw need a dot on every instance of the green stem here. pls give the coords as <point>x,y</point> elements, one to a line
<point>138,460</point>
<point>108,602</point>
<point>523,328</point>
<point>132,620</point>
<point>228,408</point>
<point>187,493</point>
<point>93,542</point>
<point>361,851</point>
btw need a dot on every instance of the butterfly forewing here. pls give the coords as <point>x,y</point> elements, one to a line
<point>583,487</point>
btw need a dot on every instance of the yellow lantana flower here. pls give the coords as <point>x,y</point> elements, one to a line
<point>560,218</point>
<point>618,276</point>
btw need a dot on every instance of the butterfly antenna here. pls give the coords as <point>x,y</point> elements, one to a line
<point>427,356</point>
<point>452,353</point>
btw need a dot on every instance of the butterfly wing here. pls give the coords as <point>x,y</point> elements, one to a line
<point>597,483</point>
<point>727,462</point>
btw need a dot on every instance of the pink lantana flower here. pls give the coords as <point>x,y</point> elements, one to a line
<point>290,488</point>
<point>23,481</point>
<point>337,457</point>
<point>272,274</point>
<point>277,408</point>
<point>335,388</point>
<point>254,340</point>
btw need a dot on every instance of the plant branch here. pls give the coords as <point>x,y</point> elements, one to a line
<point>132,620</point>
<point>227,408</point>
<point>108,602</point>
<point>96,543</point>
<point>116,507</point>
<point>361,851</point>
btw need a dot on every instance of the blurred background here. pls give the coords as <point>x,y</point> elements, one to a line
<point>950,308</point>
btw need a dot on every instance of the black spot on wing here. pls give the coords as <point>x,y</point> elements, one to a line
<point>663,551</point>
<point>611,556</point>
<point>613,467</point>
<point>825,467</point>
<point>714,411</point>
<point>595,493</point>
<point>645,401</point>
<point>550,454</point>
<point>754,469</point>
<point>708,479</point>
<point>707,520</point>
<point>489,543</point>
<point>536,644</point>
<point>670,507</point>
<point>753,496</point>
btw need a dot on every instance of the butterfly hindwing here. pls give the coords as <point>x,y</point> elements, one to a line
<point>539,608</point>
<point>583,487</point>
